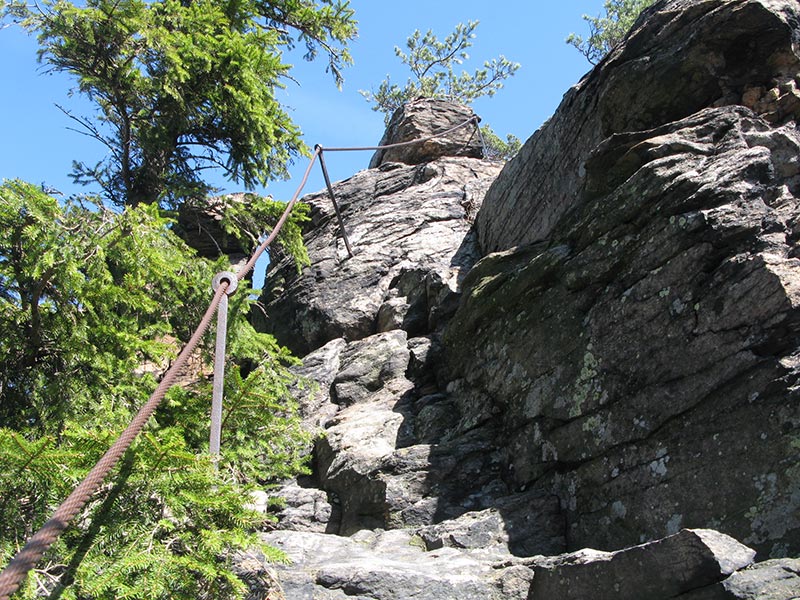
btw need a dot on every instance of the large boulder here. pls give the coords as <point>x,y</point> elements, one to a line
<point>428,119</point>
<point>776,579</point>
<point>667,568</point>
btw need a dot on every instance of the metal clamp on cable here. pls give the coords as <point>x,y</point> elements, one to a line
<point>233,282</point>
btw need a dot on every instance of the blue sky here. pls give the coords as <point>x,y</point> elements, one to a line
<point>37,145</point>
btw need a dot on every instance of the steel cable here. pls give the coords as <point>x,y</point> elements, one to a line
<point>26,559</point>
<point>13,575</point>
<point>473,119</point>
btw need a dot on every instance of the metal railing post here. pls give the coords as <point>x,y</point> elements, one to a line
<point>333,200</point>
<point>219,359</point>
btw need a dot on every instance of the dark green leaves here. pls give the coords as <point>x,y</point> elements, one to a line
<point>182,87</point>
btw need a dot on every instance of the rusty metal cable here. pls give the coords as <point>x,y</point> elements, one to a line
<point>26,559</point>
<point>321,153</point>
<point>332,196</point>
<point>13,575</point>
<point>277,229</point>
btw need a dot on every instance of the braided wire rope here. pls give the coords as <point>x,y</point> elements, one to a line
<point>26,559</point>
<point>37,545</point>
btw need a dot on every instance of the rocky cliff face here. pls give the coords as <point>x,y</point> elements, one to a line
<point>681,57</point>
<point>643,355</point>
<point>619,368</point>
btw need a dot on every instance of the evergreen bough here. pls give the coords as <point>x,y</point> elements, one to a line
<point>93,304</point>
<point>607,31</point>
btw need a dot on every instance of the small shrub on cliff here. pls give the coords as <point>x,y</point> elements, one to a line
<point>432,64</point>
<point>497,148</point>
<point>607,31</point>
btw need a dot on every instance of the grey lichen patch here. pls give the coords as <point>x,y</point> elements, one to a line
<point>776,509</point>
<point>674,524</point>
<point>658,467</point>
<point>677,307</point>
<point>618,509</point>
<point>549,452</point>
<point>587,389</point>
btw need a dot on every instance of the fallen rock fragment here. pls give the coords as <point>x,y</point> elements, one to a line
<point>667,568</point>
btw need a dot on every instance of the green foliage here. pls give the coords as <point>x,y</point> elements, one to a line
<point>166,527</point>
<point>181,87</point>
<point>83,293</point>
<point>607,31</point>
<point>432,64</point>
<point>87,296</point>
<point>498,149</point>
<point>263,440</point>
<point>245,220</point>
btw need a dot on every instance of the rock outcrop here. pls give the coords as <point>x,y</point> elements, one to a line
<point>200,225</point>
<point>608,359</point>
<point>704,557</point>
<point>642,357</point>
<point>390,565</point>
<point>681,57</point>
<point>644,361</point>
<point>423,130</point>
<point>410,229</point>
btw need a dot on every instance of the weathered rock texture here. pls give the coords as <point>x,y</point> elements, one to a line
<point>390,565</point>
<point>409,226</point>
<point>681,57</point>
<point>621,366</point>
<point>201,227</point>
<point>644,361</point>
<point>642,358</point>
<point>422,120</point>
<point>703,557</point>
<point>371,325</point>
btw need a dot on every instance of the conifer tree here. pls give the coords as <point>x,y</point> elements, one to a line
<point>433,67</point>
<point>181,87</point>
<point>94,303</point>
